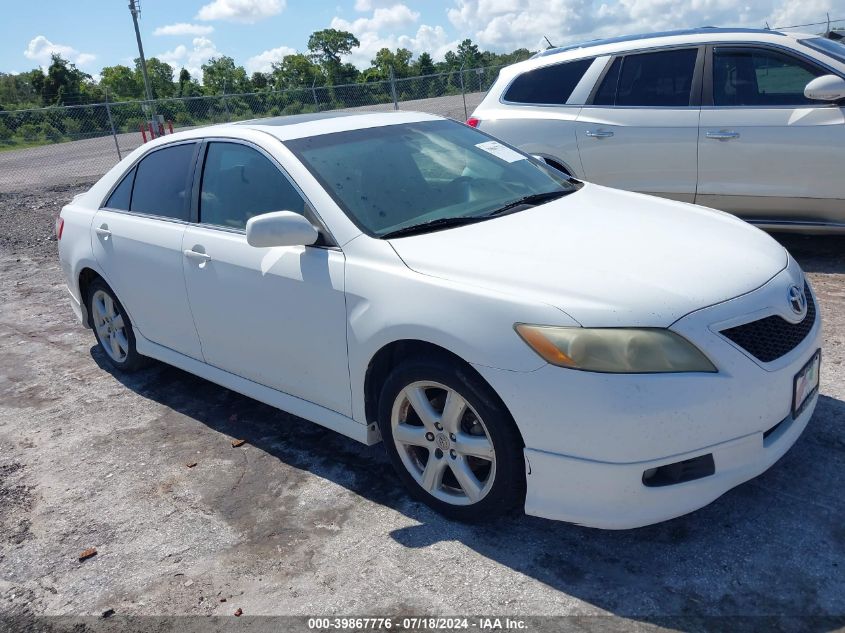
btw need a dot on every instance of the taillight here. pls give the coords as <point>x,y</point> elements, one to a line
<point>473,122</point>
<point>60,226</point>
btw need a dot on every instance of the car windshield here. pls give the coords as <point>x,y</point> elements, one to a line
<point>431,175</point>
<point>833,48</point>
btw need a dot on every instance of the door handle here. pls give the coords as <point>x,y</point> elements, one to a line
<point>196,255</point>
<point>103,230</point>
<point>599,133</point>
<point>723,135</point>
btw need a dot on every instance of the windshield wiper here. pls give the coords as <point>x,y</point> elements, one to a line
<point>533,199</point>
<point>433,225</point>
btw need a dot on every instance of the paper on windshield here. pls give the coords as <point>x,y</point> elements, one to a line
<point>500,151</point>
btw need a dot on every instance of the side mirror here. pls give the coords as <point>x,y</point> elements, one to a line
<point>280,228</point>
<point>826,88</point>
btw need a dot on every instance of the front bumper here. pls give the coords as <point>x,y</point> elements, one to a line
<point>589,437</point>
<point>612,496</point>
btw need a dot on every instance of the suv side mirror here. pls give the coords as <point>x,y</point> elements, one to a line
<point>826,88</point>
<point>280,228</point>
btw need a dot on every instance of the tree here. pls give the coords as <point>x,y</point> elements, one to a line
<point>424,65</point>
<point>121,82</point>
<point>386,59</point>
<point>184,78</point>
<point>468,54</point>
<point>62,84</point>
<point>326,48</point>
<point>220,75</point>
<point>161,77</point>
<point>296,71</point>
<point>259,81</point>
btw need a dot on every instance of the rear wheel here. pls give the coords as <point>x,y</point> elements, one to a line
<point>451,440</point>
<point>112,328</point>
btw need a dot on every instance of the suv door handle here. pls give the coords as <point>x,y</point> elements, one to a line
<point>599,133</point>
<point>103,230</point>
<point>196,255</point>
<point>723,135</point>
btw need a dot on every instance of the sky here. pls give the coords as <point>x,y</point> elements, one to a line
<point>97,33</point>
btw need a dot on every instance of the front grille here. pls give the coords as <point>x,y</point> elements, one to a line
<point>770,338</point>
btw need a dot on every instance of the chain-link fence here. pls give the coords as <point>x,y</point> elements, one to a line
<point>78,144</point>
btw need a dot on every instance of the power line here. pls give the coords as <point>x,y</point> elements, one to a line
<point>798,26</point>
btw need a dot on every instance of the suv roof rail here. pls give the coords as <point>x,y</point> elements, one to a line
<point>645,36</point>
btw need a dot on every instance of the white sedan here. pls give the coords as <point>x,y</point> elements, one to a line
<point>516,337</point>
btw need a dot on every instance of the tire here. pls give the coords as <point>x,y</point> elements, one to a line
<point>412,441</point>
<point>113,328</point>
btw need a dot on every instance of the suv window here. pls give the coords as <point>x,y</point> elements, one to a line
<point>551,85</point>
<point>119,198</point>
<point>239,182</point>
<point>759,77</point>
<point>162,182</point>
<point>661,79</point>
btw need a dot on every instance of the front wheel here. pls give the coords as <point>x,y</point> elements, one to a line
<point>451,440</point>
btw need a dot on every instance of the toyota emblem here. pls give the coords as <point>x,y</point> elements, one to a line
<point>797,300</point>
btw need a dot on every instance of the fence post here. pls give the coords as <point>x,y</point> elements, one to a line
<point>393,89</point>
<point>111,125</point>
<point>314,94</point>
<point>463,92</point>
<point>226,104</point>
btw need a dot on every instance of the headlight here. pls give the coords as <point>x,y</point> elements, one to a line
<point>615,350</point>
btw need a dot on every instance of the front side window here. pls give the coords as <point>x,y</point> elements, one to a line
<point>661,79</point>
<point>551,85</point>
<point>239,182</point>
<point>162,182</point>
<point>399,176</point>
<point>759,77</point>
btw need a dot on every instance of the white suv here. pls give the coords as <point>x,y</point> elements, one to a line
<point>747,121</point>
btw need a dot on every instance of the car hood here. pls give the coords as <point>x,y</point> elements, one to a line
<point>605,257</point>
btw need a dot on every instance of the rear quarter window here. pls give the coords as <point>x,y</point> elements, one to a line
<point>550,85</point>
<point>162,182</point>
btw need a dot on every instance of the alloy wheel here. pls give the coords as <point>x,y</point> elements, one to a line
<point>443,443</point>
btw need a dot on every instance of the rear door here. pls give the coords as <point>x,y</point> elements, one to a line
<point>137,240</point>
<point>276,316</point>
<point>766,152</point>
<point>639,130</point>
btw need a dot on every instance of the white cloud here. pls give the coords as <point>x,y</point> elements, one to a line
<point>503,25</point>
<point>202,49</point>
<point>263,62</point>
<point>369,5</point>
<point>40,49</point>
<point>246,11</point>
<point>184,28</point>
<point>384,29</point>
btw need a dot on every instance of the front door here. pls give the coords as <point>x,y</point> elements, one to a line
<point>640,130</point>
<point>137,240</point>
<point>276,316</point>
<point>766,152</point>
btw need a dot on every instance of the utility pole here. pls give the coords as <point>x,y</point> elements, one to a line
<point>134,9</point>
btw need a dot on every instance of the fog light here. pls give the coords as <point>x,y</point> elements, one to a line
<point>679,472</point>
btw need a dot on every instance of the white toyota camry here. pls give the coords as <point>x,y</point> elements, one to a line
<point>516,337</point>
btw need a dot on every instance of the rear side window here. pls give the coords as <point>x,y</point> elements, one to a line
<point>239,182</point>
<point>551,85</point>
<point>162,182</point>
<point>757,77</point>
<point>661,79</point>
<point>119,198</point>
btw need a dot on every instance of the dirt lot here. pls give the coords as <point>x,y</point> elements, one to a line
<point>300,520</point>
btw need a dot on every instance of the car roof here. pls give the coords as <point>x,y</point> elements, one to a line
<point>319,123</point>
<point>622,39</point>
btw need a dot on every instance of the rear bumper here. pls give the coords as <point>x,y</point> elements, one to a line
<point>612,495</point>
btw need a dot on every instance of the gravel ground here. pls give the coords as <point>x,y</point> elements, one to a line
<point>300,520</point>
